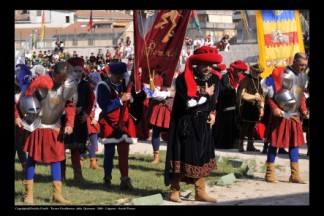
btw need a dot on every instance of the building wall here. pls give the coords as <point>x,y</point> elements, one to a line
<point>53,18</point>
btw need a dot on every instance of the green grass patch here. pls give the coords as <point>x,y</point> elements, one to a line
<point>147,178</point>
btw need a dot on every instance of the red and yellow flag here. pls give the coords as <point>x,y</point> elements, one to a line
<point>41,37</point>
<point>279,38</point>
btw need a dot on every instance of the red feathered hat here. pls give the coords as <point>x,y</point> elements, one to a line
<point>239,65</point>
<point>76,61</point>
<point>204,54</point>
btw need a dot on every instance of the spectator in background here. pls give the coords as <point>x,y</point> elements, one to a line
<point>188,42</point>
<point>74,54</point>
<point>209,41</point>
<point>197,43</point>
<point>93,58</point>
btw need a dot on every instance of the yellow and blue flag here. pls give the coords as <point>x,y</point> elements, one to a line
<point>279,38</point>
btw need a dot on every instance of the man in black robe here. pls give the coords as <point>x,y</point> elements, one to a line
<point>190,152</point>
<point>225,130</point>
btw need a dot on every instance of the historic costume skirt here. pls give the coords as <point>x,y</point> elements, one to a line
<point>159,112</point>
<point>284,133</point>
<point>45,145</point>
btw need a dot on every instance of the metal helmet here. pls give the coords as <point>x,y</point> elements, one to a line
<point>285,100</point>
<point>30,108</point>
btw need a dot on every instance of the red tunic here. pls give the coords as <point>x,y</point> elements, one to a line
<point>45,144</point>
<point>106,129</point>
<point>159,112</point>
<point>282,132</point>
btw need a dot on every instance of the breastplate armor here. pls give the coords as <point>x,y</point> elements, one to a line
<point>293,86</point>
<point>54,103</point>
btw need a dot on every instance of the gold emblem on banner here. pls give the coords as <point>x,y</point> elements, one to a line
<point>173,14</point>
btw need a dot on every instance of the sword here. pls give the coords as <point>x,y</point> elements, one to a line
<point>133,117</point>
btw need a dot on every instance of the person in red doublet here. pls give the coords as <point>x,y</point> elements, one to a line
<point>112,97</point>
<point>41,106</point>
<point>288,106</point>
<point>159,111</point>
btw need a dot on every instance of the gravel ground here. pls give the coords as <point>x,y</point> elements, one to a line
<point>254,191</point>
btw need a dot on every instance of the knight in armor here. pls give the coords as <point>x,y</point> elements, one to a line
<point>116,128</point>
<point>190,152</point>
<point>76,141</point>
<point>159,110</point>
<point>39,112</point>
<point>288,106</point>
<point>249,106</point>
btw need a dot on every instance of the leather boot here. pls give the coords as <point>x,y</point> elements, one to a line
<point>107,181</point>
<point>250,147</point>
<point>240,146</point>
<point>156,157</point>
<point>200,191</point>
<point>174,195</point>
<point>270,173</point>
<point>28,198</point>
<point>125,184</point>
<point>57,193</point>
<point>94,165</point>
<point>78,173</point>
<point>295,177</point>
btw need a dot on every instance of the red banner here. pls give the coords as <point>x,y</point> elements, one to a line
<point>159,36</point>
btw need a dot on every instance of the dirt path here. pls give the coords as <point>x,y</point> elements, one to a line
<point>253,191</point>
